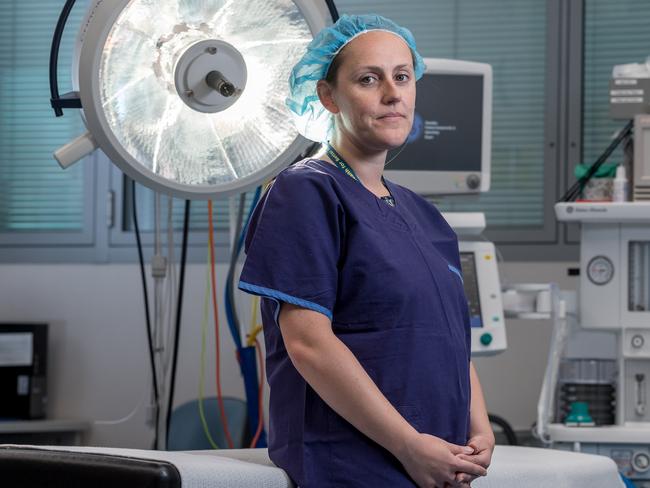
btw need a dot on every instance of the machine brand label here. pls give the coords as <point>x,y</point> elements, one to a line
<point>592,209</point>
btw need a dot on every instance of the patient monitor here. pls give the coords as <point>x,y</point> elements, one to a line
<point>482,284</point>
<point>483,291</point>
<point>449,148</point>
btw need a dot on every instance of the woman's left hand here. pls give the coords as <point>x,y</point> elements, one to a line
<point>483,446</point>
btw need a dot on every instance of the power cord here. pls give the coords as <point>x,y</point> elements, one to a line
<point>146,313</point>
<point>179,307</point>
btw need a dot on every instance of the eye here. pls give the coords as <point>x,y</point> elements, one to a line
<point>402,77</point>
<point>367,80</point>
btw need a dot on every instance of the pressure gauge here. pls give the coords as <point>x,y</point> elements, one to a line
<point>600,270</point>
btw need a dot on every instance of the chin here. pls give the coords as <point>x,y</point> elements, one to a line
<point>391,141</point>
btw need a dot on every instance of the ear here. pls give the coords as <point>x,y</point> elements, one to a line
<point>326,96</point>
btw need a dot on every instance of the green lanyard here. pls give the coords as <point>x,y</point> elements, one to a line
<point>340,162</point>
<point>345,167</point>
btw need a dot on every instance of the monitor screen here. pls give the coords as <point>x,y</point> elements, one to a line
<point>447,127</point>
<point>448,150</point>
<point>470,281</point>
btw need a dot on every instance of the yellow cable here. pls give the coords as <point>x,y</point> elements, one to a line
<point>252,335</point>
<point>204,331</point>
<point>255,328</point>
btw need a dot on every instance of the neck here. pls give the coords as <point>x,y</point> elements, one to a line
<point>368,164</point>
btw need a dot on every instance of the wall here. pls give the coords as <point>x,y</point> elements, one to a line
<point>99,369</point>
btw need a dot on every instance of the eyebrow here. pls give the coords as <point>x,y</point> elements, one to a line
<point>379,68</point>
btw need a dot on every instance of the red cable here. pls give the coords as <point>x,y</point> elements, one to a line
<point>260,423</point>
<point>222,410</point>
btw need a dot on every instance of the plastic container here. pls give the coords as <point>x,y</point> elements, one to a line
<point>621,186</point>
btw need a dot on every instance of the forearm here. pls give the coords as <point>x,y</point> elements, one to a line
<point>479,421</point>
<point>336,375</point>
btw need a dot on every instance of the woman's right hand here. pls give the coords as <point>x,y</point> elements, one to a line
<point>433,462</point>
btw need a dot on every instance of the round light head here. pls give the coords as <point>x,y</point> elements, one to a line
<point>187,96</point>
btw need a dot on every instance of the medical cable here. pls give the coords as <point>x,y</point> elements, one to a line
<point>158,275</point>
<point>252,339</point>
<point>124,418</point>
<point>171,285</point>
<point>508,431</point>
<point>204,333</point>
<point>398,153</point>
<point>230,298</point>
<point>255,328</point>
<point>240,231</point>
<point>245,355</point>
<point>152,361</point>
<point>572,193</point>
<point>69,100</point>
<point>222,410</point>
<point>333,10</point>
<point>260,397</point>
<point>179,307</point>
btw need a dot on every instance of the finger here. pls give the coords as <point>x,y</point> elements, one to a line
<point>477,446</point>
<point>456,449</point>
<point>480,459</point>
<point>466,478</point>
<point>460,484</point>
<point>477,441</point>
<point>470,467</point>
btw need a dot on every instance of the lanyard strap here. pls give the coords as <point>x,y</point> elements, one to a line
<point>340,162</point>
<point>345,167</point>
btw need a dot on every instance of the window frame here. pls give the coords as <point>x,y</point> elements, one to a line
<point>121,243</point>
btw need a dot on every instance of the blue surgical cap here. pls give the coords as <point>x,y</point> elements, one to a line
<point>313,120</point>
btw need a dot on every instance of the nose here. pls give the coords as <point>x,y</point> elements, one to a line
<point>392,93</point>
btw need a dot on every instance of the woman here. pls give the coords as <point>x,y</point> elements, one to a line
<point>365,318</point>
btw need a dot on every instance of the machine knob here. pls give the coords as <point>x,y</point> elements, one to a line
<point>637,341</point>
<point>486,339</point>
<point>473,181</point>
<point>641,461</point>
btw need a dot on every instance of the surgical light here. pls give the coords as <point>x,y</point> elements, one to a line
<point>187,96</point>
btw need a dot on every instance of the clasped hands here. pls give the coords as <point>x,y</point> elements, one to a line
<point>479,451</point>
<point>434,463</point>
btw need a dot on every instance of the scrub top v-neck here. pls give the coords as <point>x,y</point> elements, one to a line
<point>389,280</point>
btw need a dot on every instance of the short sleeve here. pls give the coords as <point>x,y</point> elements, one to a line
<point>293,242</point>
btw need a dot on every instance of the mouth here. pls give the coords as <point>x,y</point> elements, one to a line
<point>392,115</point>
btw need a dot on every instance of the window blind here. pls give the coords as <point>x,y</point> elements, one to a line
<point>35,194</point>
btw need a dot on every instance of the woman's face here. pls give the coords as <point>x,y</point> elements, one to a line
<point>373,96</point>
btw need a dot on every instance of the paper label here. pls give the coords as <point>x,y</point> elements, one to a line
<point>626,100</point>
<point>16,349</point>
<point>626,93</point>
<point>625,81</point>
<point>22,388</point>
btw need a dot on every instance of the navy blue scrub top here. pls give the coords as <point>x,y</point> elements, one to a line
<point>388,278</point>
